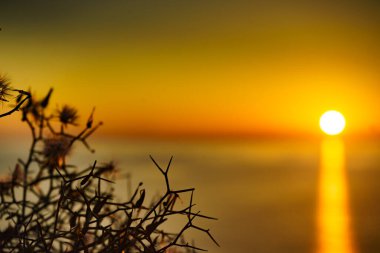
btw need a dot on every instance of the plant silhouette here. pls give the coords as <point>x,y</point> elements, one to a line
<point>49,205</point>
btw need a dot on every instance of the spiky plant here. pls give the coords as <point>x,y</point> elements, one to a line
<point>48,205</point>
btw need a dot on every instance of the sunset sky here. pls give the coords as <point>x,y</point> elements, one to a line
<point>199,67</point>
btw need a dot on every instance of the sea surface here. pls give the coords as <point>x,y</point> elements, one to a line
<point>269,195</point>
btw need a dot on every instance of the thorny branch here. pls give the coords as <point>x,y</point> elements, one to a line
<point>51,206</point>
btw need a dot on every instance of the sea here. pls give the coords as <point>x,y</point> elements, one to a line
<point>269,196</point>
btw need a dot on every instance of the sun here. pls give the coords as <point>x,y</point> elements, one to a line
<point>332,122</point>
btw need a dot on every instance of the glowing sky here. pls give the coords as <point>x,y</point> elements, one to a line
<point>204,67</point>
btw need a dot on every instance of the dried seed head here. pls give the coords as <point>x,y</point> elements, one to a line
<point>55,148</point>
<point>106,169</point>
<point>18,174</point>
<point>90,119</point>
<point>33,107</point>
<point>140,201</point>
<point>5,89</point>
<point>73,220</point>
<point>5,187</point>
<point>68,115</point>
<point>44,102</point>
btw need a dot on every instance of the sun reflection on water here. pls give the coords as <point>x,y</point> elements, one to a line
<point>334,231</point>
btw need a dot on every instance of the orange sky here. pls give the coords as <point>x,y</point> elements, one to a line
<point>198,67</point>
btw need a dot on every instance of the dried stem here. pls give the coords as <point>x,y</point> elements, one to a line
<point>63,208</point>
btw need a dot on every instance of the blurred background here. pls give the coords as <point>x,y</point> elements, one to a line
<point>234,91</point>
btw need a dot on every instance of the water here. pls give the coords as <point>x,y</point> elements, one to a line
<point>266,194</point>
<point>334,225</point>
